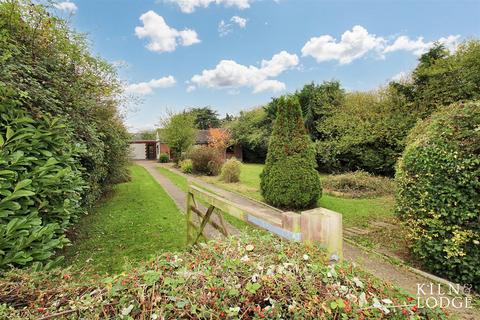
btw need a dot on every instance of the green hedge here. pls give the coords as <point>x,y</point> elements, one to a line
<point>40,185</point>
<point>438,195</point>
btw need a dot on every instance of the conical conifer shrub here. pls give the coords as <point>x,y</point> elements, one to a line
<point>290,179</point>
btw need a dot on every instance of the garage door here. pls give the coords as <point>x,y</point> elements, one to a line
<point>137,151</point>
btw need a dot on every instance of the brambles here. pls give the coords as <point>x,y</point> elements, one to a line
<point>358,184</point>
<point>231,170</point>
<point>438,197</point>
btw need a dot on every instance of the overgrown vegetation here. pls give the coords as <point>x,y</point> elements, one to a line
<point>289,179</point>
<point>438,196</point>
<point>249,277</point>
<point>358,184</point>
<point>56,169</point>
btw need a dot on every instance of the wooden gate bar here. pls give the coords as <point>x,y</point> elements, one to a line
<point>318,225</point>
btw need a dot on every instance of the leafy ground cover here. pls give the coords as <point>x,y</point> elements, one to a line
<point>138,220</point>
<point>250,277</point>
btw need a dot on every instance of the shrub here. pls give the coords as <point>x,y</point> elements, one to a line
<point>358,184</point>
<point>220,279</point>
<point>186,166</point>
<point>163,158</point>
<point>206,160</point>
<point>52,71</point>
<point>40,185</point>
<point>289,179</point>
<point>438,197</point>
<point>231,170</point>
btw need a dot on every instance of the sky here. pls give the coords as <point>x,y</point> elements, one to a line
<point>234,55</point>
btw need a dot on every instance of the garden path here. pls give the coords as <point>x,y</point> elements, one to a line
<point>371,262</point>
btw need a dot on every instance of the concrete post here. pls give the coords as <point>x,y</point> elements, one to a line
<point>324,227</point>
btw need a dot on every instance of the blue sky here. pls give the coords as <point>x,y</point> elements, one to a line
<point>175,54</point>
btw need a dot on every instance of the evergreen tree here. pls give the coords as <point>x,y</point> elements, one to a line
<point>289,179</point>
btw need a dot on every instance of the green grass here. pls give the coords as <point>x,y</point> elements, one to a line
<point>137,221</point>
<point>181,183</point>
<point>356,212</point>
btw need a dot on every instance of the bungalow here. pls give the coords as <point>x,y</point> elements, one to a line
<point>151,149</point>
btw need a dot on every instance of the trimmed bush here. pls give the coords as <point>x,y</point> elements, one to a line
<point>438,197</point>
<point>40,185</point>
<point>358,184</point>
<point>289,179</point>
<point>186,166</point>
<point>206,160</point>
<point>163,158</point>
<point>239,278</point>
<point>231,170</point>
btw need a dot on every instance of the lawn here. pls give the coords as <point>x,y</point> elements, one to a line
<point>356,212</point>
<point>182,183</point>
<point>138,220</point>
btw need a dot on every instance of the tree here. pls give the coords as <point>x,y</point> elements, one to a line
<point>442,78</point>
<point>317,103</point>
<point>252,129</point>
<point>178,131</point>
<point>219,139</point>
<point>205,118</point>
<point>148,135</point>
<point>366,133</point>
<point>289,179</point>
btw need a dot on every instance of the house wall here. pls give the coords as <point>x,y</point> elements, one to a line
<point>137,151</point>
<point>165,149</point>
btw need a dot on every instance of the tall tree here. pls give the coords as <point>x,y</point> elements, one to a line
<point>289,179</point>
<point>205,118</point>
<point>178,131</point>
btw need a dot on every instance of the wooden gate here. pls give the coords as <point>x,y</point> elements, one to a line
<point>318,225</point>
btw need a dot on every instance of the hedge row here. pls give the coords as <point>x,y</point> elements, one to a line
<point>62,141</point>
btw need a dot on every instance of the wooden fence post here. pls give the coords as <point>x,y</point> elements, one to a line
<point>189,218</point>
<point>323,226</point>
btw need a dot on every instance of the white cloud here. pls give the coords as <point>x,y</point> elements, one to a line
<point>67,6</point>
<point>225,28</point>
<point>402,75</point>
<point>191,88</point>
<point>230,74</point>
<point>357,42</point>
<point>241,22</point>
<point>145,88</point>
<point>163,38</point>
<point>353,45</point>
<point>419,46</point>
<point>189,6</point>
